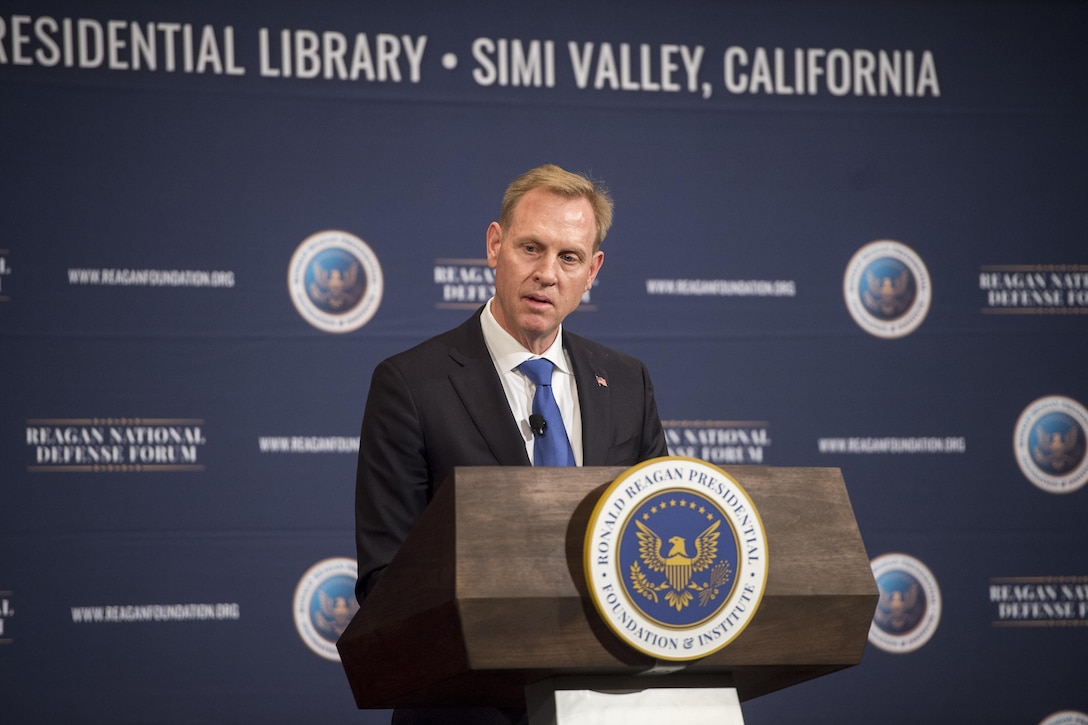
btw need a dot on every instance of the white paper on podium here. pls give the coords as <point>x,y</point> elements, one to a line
<point>652,706</point>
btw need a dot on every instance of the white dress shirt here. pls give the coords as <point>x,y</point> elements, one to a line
<point>507,353</point>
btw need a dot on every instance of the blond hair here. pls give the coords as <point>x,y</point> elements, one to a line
<point>566,184</point>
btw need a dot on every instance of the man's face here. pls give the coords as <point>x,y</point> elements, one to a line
<point>543,262</point>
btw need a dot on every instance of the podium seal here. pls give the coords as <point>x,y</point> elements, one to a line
<point>676,558</point>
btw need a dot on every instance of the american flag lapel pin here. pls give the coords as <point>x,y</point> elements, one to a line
<point>601,382</point>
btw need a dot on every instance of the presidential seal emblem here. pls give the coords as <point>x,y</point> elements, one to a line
<point>887,289</point>
<point>1050,444</point>
<point>335,281</point>
<point>909,608</point>
<point>676,558</point>
<point>324,604</point>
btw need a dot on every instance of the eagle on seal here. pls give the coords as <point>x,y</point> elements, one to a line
<point>677,565</point>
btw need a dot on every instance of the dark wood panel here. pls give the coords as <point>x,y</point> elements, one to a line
<point>488,593</point>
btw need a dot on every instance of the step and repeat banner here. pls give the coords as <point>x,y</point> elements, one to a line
<point>847,235</point>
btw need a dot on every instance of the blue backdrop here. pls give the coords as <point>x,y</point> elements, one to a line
<point>848,234</point>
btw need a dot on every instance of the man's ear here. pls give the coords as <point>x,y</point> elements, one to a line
<point>494,241</point>
<point>594,267</point>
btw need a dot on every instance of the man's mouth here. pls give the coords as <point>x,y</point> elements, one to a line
<point>538,300</point>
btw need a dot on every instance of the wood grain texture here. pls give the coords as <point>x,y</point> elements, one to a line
<point>488,594</point>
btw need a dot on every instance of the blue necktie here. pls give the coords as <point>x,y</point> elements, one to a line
<point>551,447</point>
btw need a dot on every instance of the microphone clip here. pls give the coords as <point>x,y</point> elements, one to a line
<point>538,425</point>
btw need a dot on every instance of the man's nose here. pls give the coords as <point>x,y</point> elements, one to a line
<point>545,270</point>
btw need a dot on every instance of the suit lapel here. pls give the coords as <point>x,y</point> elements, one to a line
<point>594,399</point>
<point>480,390</point>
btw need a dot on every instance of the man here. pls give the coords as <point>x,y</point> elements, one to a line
<point>459,399</point>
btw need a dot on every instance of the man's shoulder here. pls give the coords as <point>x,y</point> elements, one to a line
<point>465,340</point>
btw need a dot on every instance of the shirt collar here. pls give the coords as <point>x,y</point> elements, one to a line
<point>508,353</point>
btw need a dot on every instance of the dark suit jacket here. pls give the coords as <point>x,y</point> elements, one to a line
<point>441,404</point>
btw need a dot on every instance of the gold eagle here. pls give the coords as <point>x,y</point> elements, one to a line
<point>899,610</point>
<point>887,296</point>
<point>334,615</point>
<point>677,565</point>
<point>333,287</point>
<point>1056,450</point>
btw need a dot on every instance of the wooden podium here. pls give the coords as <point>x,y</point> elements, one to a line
<point>488,594</point>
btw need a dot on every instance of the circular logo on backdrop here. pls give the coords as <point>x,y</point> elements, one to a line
<point>887,289</point>
<point>1066,717</point>
<point>676,558</point>
<point>324,604</point>
<point>909,608</point>
<point>335,281</point>
<point>1050,446</point>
